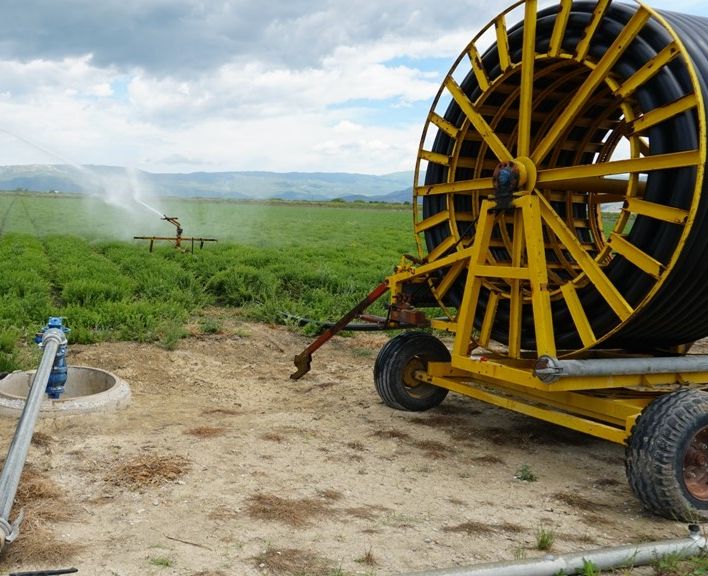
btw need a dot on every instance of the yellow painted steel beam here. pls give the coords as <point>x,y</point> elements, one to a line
<point>458,187</point>
<point>659,115</point>
<point>632,165</point>
<point>583,46</point>
<point>611,189</point>
<point>528,59</point>
<point>502,42</point>
<point>639,258</point>
<point>478,68</point>
<point>652,67</point>
<point>516,300</point>
<point>598,429</point>
<point>443,325</point>
<point>593,80</point>
<point>449,279</point>
<point>554,48</point>
<point>441,248</point>
<point>538,274</point>
<point>447,127</point>
<point>434,157</point>
<point>613,407</point>
<point>586,262</point>
<point>473,284</point>
<point>502,372</point>
<point>577,313</point>
<point>499,271</point>
<point>490,312</point>
<point>477,120</point>
<point>657,211</point>
<point>433,221</point>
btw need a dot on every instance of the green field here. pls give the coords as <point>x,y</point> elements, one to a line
<point>75,257</point>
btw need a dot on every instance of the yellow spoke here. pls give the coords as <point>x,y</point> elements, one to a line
<point>528,59</point>
<point>490,312</point>
<point>610,189</point>
<point>502,43</point>
<point>448,127</point>
<point>441,248</point>
<point>631,166</point>
<point>478,68</point>
<point>657,211</point>
<point>583,46</point>
<point>478,121</point>
<point>587,264</point>
<point>554,48</point>
<point>439,218</point>
<point>459,187</point>
<point>577,313</point>
<point>649,70</point>
<point>659,115</point>
<point>638,257</point>
<point>449,279</point>
<point>594,79</point>
<point>435,157</point>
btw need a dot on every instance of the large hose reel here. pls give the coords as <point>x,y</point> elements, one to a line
<point>580,107</point>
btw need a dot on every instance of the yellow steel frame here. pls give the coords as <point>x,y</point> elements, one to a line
<point>598,405</point>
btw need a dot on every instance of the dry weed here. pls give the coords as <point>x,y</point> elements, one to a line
<point>367,559</point>
<point>577,501</point>
<point>292,561</point>
<point>391,433</point>
<point>206,431</point>
<point>365,512</point>
<point>273,437</point>
<point>471,527</point>
<point>42,440</point>
<point>148,470</point>
<point>433,449</point>
<point>330,494</point>
<point>223,513</point>
<point>295,512</point>
<point>221,411</point>
<point>486,459</point>
<point>43,503</point>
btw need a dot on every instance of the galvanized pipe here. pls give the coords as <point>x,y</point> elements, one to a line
<point>573,563</point>
<point>549,369</point>
<point>17,454</point>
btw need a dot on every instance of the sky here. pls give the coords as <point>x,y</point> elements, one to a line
<point>219,85</point>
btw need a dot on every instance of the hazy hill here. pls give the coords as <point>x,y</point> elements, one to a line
<point>257,185</point>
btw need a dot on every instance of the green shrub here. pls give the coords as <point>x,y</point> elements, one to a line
<point>241,285</point>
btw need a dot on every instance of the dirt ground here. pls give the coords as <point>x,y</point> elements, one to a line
<point>221,466</point>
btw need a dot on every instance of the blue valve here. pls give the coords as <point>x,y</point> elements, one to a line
<point>57,377</point>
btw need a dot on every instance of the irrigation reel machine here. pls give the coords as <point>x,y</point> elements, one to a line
<point>571,109</point>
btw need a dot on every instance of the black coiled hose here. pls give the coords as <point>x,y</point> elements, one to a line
<point>676,312</point>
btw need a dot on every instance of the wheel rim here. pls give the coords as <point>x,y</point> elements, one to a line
<point>695,466</point>
<point>414,387</point>
<point>563,113</point>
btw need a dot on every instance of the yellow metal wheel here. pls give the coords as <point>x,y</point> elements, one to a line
<point>591,106</point>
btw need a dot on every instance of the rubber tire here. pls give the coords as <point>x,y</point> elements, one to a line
<point>390,371</point>
<point>656,450</point>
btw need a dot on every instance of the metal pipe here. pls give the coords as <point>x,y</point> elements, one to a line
<point>549,369</point>
<point>17,454</point>
<point>574,563</point>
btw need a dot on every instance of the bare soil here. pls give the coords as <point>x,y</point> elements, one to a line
<point>221,465</point>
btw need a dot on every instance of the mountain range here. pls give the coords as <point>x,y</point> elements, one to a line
<point>319,186</point>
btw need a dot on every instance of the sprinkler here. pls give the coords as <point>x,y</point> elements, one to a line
<point>177,239</point>
<point>57,377</point>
